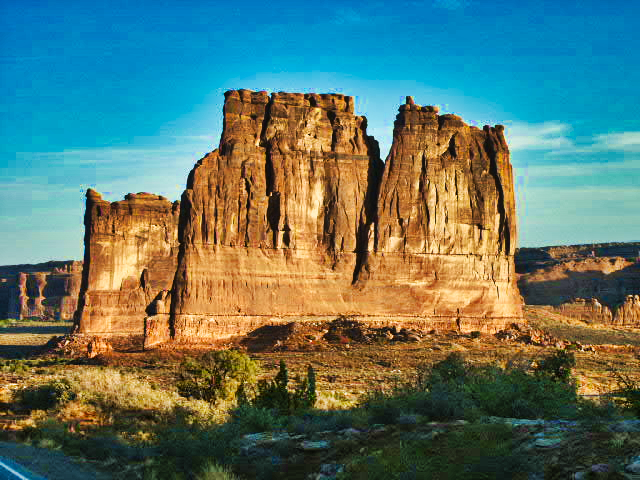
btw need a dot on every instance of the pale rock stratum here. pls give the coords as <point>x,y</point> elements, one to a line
<point>296,217</point>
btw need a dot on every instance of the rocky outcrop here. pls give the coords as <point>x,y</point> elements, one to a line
<point>588,310</point>
<point>272,222</point>
<point>45,290</point>
<point>296,216</point>
<point>131,248</point>
<point>629,312</point>
<point>533,259</point>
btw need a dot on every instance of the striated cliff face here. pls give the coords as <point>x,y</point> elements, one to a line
<point>45,290</point>
<point>273,221</point>
<point>445,228</point>
<point>130,258</point>
<point>295,216</point>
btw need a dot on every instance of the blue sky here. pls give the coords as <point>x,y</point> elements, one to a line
<point>127,96</point>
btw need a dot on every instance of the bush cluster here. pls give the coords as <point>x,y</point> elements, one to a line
<point>275,394</point>
<point>456,389</point>
<point>217,375</point>
<point>228,375</point>
<point>628,393</point>
<point>45,396</point>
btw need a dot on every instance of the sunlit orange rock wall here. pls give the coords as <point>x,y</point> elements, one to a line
<point>130,257</point>
<point>296,217</point>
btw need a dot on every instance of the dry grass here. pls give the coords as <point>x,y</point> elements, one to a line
<point>112,390</point>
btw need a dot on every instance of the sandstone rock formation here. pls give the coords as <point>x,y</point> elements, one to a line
<point>295,216</point>
<point>45,290</point>
<point>588,310</point>
<point>445,228</point>
<point>130,256</point>
<point>629,312</point>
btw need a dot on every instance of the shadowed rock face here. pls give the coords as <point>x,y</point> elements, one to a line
<point>295,215</point>
<point>130,258</point>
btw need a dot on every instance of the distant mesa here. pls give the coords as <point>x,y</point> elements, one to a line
<point>595,283</point>
<point>295,216</point>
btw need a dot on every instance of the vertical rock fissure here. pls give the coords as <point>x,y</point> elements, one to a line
<point>273,196</point>
<point>503,229</point>
<point>362,271</point>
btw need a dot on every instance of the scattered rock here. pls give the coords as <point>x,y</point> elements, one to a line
<point>99,346</point>
<point>407,419</point>
<point>630,426</point>
<point>601,468</point>
<point>309,445</point>
<point>633,468</point>
<point>548,442</point>
<point>331,468</point>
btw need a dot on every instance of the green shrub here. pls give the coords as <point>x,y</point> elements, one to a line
<point>14,366</point>
<point>446,402</point>
<point>385,408</point>
<point>594,410</point>
<point>454,389</point>
<point>452,369</point>
<point>557,366</point>
<point>216,376</point>
<point>45,396</point>
<point>251,419</point>
<point>276,395</point>
<point>515,393</point>
<point>318,421</point>
<point>475,452</point>
<point>629,393</point>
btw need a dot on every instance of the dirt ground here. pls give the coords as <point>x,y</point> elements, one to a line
<point>351,359</point>
<point>23,339</point>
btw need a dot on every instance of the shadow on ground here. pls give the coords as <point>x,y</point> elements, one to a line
<point>21,341</point>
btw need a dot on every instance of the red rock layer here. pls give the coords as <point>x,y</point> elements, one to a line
<point>130,258</point>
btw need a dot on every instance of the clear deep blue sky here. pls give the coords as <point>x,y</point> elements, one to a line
<point>127,96</point>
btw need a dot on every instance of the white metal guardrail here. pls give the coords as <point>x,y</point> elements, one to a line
<point>11,471</point>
